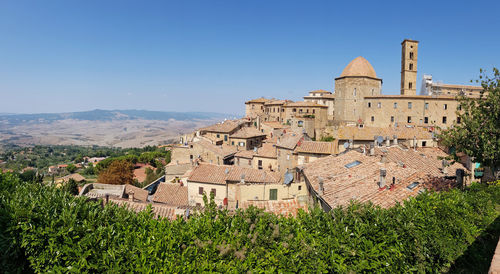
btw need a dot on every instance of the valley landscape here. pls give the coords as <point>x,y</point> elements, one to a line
<point>113,128</point>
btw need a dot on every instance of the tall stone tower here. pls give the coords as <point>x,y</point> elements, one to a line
<point>409,67</point>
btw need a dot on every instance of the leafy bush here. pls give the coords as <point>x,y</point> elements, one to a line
<point>45,229</point>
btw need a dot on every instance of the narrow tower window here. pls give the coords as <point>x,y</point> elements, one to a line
<point>354,92</point>
<point>411,66</point>
<point>410,85</point>
<point>411,55</point>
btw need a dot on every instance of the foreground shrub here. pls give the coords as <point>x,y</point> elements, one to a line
<point>46,229</point>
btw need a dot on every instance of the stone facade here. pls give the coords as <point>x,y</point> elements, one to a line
<point>350,92</point>
<point>409,54</point>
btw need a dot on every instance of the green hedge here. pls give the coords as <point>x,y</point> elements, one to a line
<point>45,229</point>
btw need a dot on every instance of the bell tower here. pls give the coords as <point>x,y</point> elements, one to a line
<point>409,56</point>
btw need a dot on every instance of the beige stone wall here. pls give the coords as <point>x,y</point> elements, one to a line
<point>246,144</point>
<point>217,135</point>
<point>195,198</point>
<point>326,101</point>
<point>286,160</point>
<point>254,109</point>
<point>274,112</point>
<point>304,158</point>
<point>181,154</point>
<point>349,97</point>
<point>421,107</point>
<point>191,152</point>
<point>267,163</point>
<point>243,162</point>
<point>262,191</point>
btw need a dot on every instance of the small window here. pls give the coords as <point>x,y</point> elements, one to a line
<point>411,55</point>
<point>373,91</point>
<point>445,106</point>
<point>459,120</point>
<point>410,85</point>
<point>314,111</point>
<point>392,119</point>
<point>411,66</point>
<point>191,157</point>
<point>214,191</point>
<point>260,164</point>
<point>354,92</point>
<point>409,119</point>
<point>300,187</point>
<point>373,118</point>
<point>200,190</point>
<point>242,144</point>
<point>273,194</point>
<point>225,138</point>
<point>409,105</point>
<point>444,119</point>
<point>232,143</point>
<point>426,106</point>
<point>369,104</point>
<point>395,105</point>
<point>218,135</point>
<point>424,143</point>
<point>379,105</point>
<point>426,120</point>
<point>249,162</point>
<point>353,164</point>
<point>294,110</point>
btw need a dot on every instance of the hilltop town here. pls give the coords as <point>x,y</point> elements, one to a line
<point>352,144</point>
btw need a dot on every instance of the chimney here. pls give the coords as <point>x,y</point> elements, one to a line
<point>131,196</point>
<point>387,141</point>
<point>444,165</point>
<point>460,177</point>
<point>383,173</point>
<point>372,150</point>
<point>351,143</point>
<point>395,138</point>
<point>415,143</point>
<point>374,141</point>
<point>321,188</point>
<point>393,183</point>
<point>242,178</point>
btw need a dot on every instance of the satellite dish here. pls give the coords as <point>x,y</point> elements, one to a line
<point>380,139</point>
<point>346,145</point>
<point>288,178</point>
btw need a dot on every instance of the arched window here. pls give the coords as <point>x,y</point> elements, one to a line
<point>411,55</point>
<point>411,66</point>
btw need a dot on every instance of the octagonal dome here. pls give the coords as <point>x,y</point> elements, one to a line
<point>359,67</point>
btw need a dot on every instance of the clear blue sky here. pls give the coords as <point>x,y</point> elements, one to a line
<point>59,56</point>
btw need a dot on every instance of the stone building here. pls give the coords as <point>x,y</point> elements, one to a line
<point>322,97</point>
<point>429,87</point>
<point>357,81</point>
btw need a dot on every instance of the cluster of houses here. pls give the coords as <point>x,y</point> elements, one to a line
<point>332,148</point>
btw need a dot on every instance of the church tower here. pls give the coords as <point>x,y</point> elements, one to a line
<point>409,67</point>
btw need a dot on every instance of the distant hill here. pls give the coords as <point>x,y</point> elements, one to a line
<point>108,115</point>
<point>114,128</point>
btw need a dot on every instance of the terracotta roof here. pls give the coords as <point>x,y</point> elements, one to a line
<point>75,176</point>
<point>417,97</point>
<point>268,150</point>
<point>220,174</point>
<point>258,100</point>
<point>247,154</point>
<point>304,104</point>
<point>360,182</point>
<point>278,207</point>
<point>139,193</point>
<point>224,127</point>
<point>425,160</point>
<point>159,211</point>
<point>247,132</point>
<point>289,140</point>
<point>224,150</point>
<point>275,102</point>
<point>317,147</point>
<point>319,91</point>
<point>458,86</point>
<point>368,133</point>
<point>359,67</point>
<point>171,194</point>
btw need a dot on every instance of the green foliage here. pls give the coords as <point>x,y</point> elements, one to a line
<point>71,168</point>
<point>90,170</point>
<point>71,187</point>
<point>327,139</point>
<point>44,229</point>
<point>478,134</point>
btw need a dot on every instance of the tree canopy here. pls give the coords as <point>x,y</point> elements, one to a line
<point>119,172</point>
<point>478,133</point>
